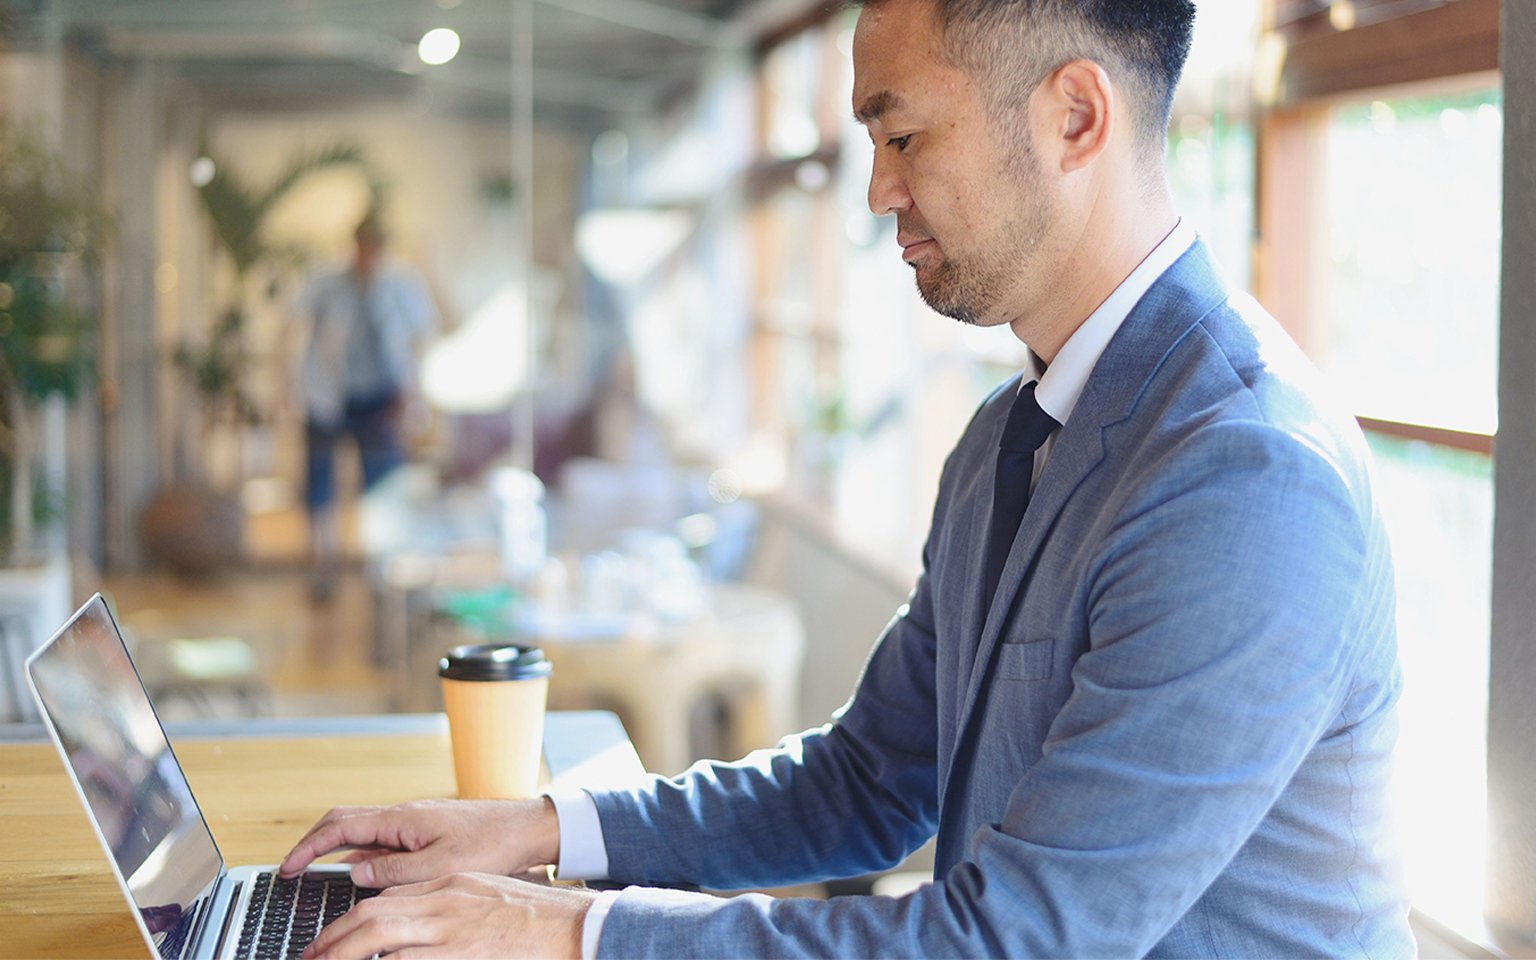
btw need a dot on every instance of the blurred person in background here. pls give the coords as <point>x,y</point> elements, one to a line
<point>357,379</point>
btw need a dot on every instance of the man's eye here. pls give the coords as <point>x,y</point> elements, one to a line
<point>900,143</point>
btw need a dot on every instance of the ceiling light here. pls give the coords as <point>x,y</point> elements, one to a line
<point>438,46</point>
<point>202,171</point>
<point>1341,14</point>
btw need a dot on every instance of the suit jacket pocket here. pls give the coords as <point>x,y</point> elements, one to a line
<point>1028,660</point>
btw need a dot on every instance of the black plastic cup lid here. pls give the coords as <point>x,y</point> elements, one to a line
<point>493,661</point>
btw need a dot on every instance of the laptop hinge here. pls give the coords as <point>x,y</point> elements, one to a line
<point>217,900</point>
<point>229,918</point>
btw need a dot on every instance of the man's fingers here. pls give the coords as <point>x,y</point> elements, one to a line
<point>344,929</point>
<point>331,816</point>
<point>437,952</point>
<point>343,827</point>
<point>378,936</point>
<point>374,927</point>
<point>317,843</point>
<point>385,869</point>
<point>300,856</point>
<point>459,916</point>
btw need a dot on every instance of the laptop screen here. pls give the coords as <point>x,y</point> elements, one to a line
<point>130,780</point>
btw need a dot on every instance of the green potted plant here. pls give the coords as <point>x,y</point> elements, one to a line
<point>50,223</point>
<point>195,525</point>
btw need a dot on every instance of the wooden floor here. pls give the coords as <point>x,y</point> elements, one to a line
<point>310,659</point>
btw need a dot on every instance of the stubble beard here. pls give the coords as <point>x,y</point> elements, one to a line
<point>965,289</point>
<point>971,288</point>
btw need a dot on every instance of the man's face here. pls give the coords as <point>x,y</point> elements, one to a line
<point>966,188</point>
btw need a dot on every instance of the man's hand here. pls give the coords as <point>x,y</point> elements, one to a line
<point>429,839</point>
<point>464,915</point>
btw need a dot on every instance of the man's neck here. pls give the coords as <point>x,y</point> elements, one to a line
<point>1104,254</point>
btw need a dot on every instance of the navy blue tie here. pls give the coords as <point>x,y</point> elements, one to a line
<point>1025,431</point>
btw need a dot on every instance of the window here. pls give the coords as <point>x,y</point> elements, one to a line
<point>1407,325</point>
<point>1407,301</point>
<point>1211,139</point>
<point>1380,237</point>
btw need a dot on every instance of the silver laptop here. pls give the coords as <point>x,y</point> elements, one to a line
<point>185,901</point>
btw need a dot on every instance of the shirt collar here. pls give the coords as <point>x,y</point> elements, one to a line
<point>1063,382</point>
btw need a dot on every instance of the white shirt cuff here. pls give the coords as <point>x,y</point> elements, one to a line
<point>592,926</point>
<point>583,855</point>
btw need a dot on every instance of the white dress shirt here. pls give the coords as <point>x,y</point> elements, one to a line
<point>583,855</point>
<point>1063,381</point>
<point>394,304</point>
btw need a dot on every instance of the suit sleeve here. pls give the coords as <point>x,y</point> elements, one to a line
<point>1222,607</point>
<point>852,797</point>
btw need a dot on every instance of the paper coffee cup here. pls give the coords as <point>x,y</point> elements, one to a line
<point>494,695</point>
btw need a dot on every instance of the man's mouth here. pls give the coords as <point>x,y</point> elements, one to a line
<point>914,247</point>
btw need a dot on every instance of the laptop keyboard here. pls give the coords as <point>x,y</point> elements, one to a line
<point>286,914</point>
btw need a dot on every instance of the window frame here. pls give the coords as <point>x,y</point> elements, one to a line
<point>1510,908</point>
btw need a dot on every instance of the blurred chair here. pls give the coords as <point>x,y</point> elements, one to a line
<point>746,654</point>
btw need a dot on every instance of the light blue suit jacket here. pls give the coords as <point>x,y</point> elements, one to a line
<point>1169,736</point>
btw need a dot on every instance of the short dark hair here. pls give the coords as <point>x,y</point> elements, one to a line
<point>1010,46</point>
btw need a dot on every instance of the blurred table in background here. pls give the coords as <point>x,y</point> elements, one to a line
<point>632,611</point>
<point>738,645</point>
<point>744,650</point>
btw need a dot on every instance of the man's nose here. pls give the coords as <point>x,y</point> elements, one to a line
<point>887,188</point>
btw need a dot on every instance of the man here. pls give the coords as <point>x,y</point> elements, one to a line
<point>1165,730</point>
<point>356,378</point>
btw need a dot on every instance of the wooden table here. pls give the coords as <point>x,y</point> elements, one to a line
<point>260,785</point>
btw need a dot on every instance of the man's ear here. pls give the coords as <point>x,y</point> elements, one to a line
<point>1082,109</point>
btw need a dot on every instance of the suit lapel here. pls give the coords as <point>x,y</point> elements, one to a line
<point>1165,314</point>
<point>979,520</point>
<point>1078,449</point>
